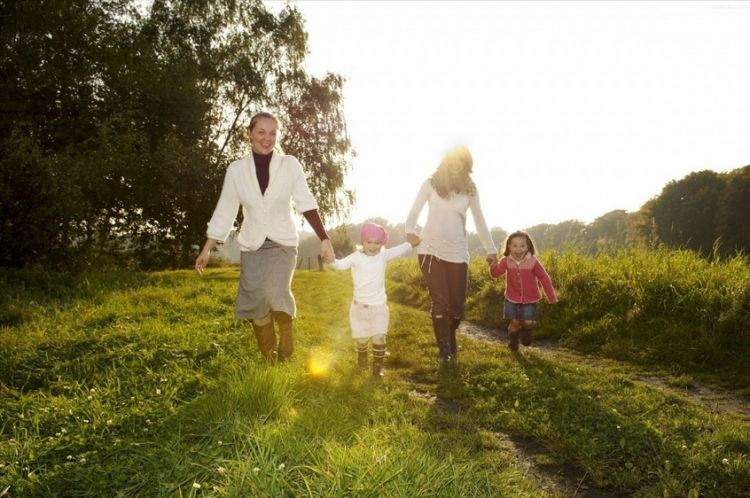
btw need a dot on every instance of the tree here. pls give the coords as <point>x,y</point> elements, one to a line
<point>607,232</point>
<point>315,132</point>
<point>733,213</point>
<point>685,211</point>
<point>117,127</point>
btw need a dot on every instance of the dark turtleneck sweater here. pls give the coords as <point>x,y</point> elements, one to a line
<point>262,166</point>
<point>262,172</point>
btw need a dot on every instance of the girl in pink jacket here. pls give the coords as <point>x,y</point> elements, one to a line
<point>523,273</point>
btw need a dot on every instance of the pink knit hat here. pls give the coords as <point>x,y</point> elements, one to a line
<point>373,231</point>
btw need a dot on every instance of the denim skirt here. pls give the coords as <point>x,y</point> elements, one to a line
<point>518,311</point>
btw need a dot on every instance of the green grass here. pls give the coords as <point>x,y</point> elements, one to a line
<point>668,310</point>
<point>144,385</point>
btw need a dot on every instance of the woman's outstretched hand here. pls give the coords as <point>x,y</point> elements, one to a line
<point>201,261</point>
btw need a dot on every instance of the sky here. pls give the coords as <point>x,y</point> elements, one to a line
<point>570,109</point>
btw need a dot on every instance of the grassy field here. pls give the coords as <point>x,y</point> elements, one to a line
<point>666,310</point>
<point>144,385</point>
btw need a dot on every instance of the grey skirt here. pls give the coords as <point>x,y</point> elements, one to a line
<point>265,281</point>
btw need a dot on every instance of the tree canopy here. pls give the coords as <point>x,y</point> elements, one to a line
<point>118,123</point>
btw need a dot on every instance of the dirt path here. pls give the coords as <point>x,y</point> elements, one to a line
<point>711,398</point>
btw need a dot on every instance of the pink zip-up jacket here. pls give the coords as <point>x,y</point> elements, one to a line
<point>522,278</point>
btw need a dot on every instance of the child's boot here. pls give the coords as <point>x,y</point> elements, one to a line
<point>513,339</point>
<point>362,356</point>
<point>378,360</point>
<point>527,333</point>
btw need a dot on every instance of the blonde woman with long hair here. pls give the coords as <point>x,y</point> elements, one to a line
<point>443,253</point>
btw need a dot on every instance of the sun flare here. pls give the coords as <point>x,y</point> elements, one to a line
<point>319,363</point>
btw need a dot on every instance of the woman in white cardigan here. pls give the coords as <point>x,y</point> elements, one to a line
<point>443,252</point>
<point>267,185</point>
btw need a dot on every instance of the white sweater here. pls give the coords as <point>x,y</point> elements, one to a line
<point>444,233</point>
<point>368,273</point>
<point>266,215</point>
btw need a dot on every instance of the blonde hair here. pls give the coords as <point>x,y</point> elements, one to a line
<point>453,173</point>
<point>261,115</point>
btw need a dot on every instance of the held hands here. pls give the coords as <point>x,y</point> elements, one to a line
<point>491,259</point>
<point>326,251</point>
<point>413,239</point>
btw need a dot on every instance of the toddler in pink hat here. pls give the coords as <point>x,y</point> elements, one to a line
<point>368,313</point>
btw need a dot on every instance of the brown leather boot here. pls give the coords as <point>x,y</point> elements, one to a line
<point>266,338</point>
<point>286,336</point>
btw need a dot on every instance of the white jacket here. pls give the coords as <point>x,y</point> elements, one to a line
<point>266,215</point>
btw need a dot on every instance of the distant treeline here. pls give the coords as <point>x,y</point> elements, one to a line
<point>707,212</point>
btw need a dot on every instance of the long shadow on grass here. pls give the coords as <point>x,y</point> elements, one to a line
<point>621,451</point>
<point>462,388</point>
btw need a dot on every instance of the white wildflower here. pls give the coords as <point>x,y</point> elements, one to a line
<point>256,469</point>
<point>725,461</point>
<point>196,485</point>
<point>282,466</point>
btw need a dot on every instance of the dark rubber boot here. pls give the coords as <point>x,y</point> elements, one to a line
<point>452,338</point>
<point>527,335</point>
<point>362,358</point>
<point>442,337</point>
<point>378,360</point>
<point>513,340</point>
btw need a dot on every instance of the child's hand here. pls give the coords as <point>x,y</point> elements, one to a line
<point>413,239</point>
<point>491,259</point>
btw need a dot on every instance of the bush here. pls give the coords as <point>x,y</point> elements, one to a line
<point>671,308</point>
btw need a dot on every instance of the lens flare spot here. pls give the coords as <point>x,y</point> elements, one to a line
<point>319,364</point>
